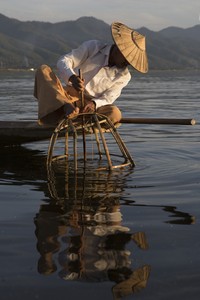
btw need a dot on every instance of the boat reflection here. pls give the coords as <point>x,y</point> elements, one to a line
<point>80,232</point>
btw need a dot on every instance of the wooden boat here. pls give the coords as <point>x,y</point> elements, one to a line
<point>19,132</point>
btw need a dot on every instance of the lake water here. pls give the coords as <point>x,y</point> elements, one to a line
<point>129,234</point>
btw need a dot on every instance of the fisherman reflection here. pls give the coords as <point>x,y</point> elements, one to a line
<point>97,252</point>
<point>82,235</point>
<point>48,229</point>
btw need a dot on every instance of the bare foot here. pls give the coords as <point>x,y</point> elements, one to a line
<point>71,111</point>
<point>73,114</point>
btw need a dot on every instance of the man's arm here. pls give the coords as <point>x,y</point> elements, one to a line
<point>68,62</point>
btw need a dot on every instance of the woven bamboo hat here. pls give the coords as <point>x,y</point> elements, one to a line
<point>132,45</point>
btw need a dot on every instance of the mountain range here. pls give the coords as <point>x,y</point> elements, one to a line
<point>27,44</point>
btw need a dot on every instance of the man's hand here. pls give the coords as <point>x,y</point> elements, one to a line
<point>77,83</point>
<point>89,107</point>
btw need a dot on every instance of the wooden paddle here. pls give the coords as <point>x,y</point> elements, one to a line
<point>158,121</point>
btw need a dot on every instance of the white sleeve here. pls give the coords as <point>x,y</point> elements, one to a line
<point>68,62</point>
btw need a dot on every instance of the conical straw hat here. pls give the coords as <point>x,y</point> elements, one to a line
<point>132,45</point>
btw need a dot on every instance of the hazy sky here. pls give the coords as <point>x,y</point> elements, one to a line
<point>154,14</point>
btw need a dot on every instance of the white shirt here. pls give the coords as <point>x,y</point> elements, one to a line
<point>103,83</point>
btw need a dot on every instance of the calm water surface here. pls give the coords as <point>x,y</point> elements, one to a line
<point>131,234</point>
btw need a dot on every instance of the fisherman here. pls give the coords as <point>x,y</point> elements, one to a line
<point>104,74</point>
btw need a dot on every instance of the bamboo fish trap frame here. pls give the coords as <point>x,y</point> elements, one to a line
<point>81,127</point>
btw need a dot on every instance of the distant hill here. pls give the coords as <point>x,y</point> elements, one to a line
<point>29,44</point>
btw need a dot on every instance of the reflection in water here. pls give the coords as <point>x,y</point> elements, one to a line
<point>79,226</point>
<point>181,218</point>
<point>20,165</point>
<point>82,225</point>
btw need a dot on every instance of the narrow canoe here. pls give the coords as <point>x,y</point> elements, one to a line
<point>19,132</point>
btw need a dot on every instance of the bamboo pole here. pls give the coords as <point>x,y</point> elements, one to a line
<point>83,119</point>
<point>158,121</point>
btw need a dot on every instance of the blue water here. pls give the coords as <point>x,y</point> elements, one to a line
<point>131,234</point>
